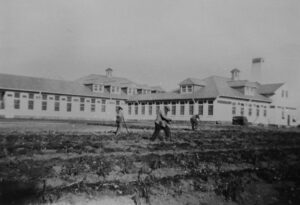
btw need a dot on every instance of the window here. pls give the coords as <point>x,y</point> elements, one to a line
<point>100,87</point>
<point>57,97</point>
<point>103,106</point>
<point>233,110</point>
<point>250,110</point>
<point>157,107</point>
<point>93,107</point>
<point>143,108</point>
<point>150,108</point>
<point>183,89</point>
<point>50,98</point>
<point>69,107</point>
<point>31,95</point>
<point>257,110</point>
<point>118,89</point>
<point>210,108</point>
<point>265,112</point>
<point>81,107</point>
<point>286,94</point>
<point>82,100</point>
<point>189,88</point>
<point>174,108</point>
<point>242,109</point>
<point>44,97</point>
<point>17,95</point>
<point>129,109</point>
<point>200,111</point>
<point>136,109</point>
<point>113,89</point>
<point>17,104</point>
<point>56,106</point>
<point>69,98</point>
<point>129,90</point>
<point>24,96</point>
<point>30,104</point>
<point>282,114</point>
<point>44,105</point>
<point>182,108</point>
<point>191,108</point>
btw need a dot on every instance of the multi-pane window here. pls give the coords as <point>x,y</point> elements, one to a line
<point>30,104</point>
<point>44,97</point>
<point>103,106</point>
<point>17,104</point>
<point>210,108</point>
<point>150,108</point>
<point>257,110</point>
<point>129,109</point>
<point>44,105</point>
<point>143,108</point>
<point>56,106</point>
<point>250,110</point>
<point>233,109</point>
<point>69,107</point>
<point>69,98</point>
<point>242,110</point>
<point>265,111</point>
<point>30,96</point>
<point>173,108</point>
<point>136,109</point>
<point>182,107</point>
<point>189,88</point>
<point>93,107</point>
<point>200,111</point>
<point>57,97</point>
<point>81,106</point>
<point>157,107</point>
<point>17,95</point>
<point>184,89</point>
<point>191,108</point>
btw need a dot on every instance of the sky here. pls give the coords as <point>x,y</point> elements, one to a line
<point>157,42</point>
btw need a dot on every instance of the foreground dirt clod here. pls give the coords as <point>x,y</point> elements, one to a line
<point>205,167</point>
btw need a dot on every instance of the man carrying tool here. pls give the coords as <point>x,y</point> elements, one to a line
<point>194,121</point>
<point>162,123</point>
<point>119,120</point>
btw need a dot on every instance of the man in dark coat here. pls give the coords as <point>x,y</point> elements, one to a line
<point>194,121</point>
<point>162,123</point>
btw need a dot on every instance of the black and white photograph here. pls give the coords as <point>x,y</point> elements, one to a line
<point>149,102</point>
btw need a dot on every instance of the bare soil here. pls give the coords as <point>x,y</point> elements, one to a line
<point>232,165</point>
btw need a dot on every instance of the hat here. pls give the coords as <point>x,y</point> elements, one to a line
<point>167,108</point>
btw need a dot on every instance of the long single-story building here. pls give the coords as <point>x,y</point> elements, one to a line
<point>95,97</point>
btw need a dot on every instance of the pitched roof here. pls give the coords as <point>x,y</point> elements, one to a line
<point>242,83</point>
<point>34,84</point>
<point>192,81</point>
<point>269,88</point>
<point>215,86</point>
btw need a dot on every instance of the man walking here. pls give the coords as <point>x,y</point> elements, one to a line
<point>194,121</point>
<point>162,123</point>
<point>119,120</point>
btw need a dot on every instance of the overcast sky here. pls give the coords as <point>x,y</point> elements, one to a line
<point>158,42</point>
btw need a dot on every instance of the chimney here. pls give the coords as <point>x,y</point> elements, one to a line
<point>256,69</point>
<point>109,72</point>
<point>235,74</point>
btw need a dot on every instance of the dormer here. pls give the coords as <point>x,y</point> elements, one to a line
<point>191,85</point>
<point>235,74</point>
<point>97,88</point>
<point>109,72</point>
